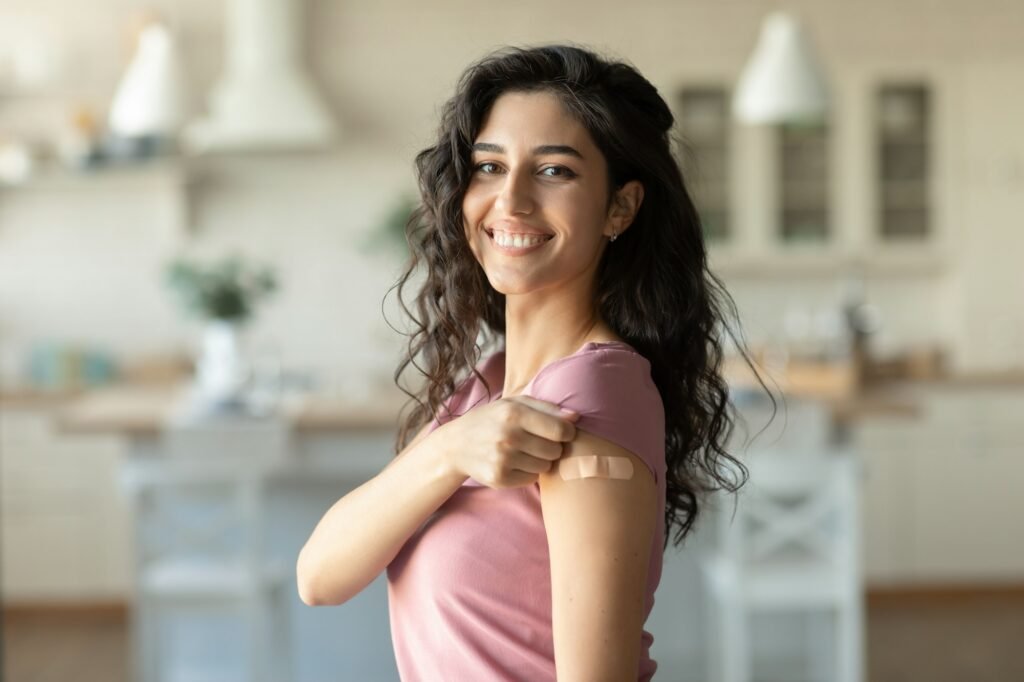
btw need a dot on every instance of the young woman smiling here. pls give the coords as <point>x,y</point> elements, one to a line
<point>555,220</point>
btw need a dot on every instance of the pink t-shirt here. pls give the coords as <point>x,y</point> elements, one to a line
<point>469,594</point>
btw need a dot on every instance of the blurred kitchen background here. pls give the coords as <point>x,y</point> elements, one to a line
<point>267,147</point>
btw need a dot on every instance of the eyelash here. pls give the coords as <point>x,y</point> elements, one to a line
<point>564,172</point>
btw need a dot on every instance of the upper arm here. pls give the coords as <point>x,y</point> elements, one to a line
<point>599,537</point>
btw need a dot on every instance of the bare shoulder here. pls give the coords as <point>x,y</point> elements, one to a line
<point>616,505</point>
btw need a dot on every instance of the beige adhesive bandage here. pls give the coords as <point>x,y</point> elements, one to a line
<point>595,466</point>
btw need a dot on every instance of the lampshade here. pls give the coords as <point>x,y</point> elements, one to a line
<point>782,82</point>
<point>264,99</point>
<point>150,99</point>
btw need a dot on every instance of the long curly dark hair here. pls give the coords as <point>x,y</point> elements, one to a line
<point>653,286</point>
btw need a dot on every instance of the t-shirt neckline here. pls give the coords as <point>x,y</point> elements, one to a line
<point>589,345</point>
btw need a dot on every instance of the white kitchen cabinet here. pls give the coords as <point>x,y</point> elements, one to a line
<point>64,522</point>
<point>942,497</point>
<point>872,186</point>
<point>885,445</point>
<point>968,508</point>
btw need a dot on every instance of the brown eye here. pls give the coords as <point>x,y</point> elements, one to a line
<point>563,172</point>
<point>480,166</point>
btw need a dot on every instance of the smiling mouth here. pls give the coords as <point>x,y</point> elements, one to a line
<point>513,250</point>
<point>544,237</point>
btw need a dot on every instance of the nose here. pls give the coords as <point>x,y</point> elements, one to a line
<point>515,195</point>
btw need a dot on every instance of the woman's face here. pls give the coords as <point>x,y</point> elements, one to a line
<point>536,170</point>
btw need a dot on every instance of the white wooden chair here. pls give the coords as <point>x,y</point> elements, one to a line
<point>793,545</point>
<point>199,546</point>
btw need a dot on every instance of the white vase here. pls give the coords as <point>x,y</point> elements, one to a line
<point>221,371</point>
<point>150,99</point>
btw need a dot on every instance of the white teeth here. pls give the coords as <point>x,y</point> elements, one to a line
<point>517,241</point>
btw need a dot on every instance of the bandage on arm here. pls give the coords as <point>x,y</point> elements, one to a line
<point>595,466</point>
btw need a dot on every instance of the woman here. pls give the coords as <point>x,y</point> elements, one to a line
<point>523,527</point>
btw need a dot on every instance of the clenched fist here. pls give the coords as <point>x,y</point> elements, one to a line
<point>509,442</point>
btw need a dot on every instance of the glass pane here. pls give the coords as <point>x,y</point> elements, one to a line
<point>905,223</point>
<point>803,182</point>
<point>713,221</point>
<point>902,115</point>
<point>804,225</point>
<point>704,125</point>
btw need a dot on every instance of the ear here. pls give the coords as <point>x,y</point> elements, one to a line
<point>624,207</point>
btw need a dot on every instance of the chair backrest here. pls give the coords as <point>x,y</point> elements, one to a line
<point>800,503</point>
<point>799,506</point>
<point>199,496</point>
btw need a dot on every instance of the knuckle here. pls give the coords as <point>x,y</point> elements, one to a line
<point>509,412</point>
<point>506,443</point>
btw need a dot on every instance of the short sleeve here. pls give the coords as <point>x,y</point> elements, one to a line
<point>616,398</point>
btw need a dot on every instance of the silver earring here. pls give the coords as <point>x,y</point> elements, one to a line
<point>614,236</point>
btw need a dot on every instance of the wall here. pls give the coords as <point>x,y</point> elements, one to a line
<point>80,261</point>
<point>66,256</point>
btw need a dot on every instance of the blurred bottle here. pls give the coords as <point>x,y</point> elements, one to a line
<point>863,319</point>
<point>798,331</point>
<point>78,143</point>
<point>63,366</point>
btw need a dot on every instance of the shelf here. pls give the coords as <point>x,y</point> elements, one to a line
<point>52,176</point>
<point>824,260</point>
<point>174,175</point>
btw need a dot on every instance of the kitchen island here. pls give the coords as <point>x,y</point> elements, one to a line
<point>68,521</point>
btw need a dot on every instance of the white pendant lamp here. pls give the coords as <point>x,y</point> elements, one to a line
<point>150,99</point>
<point>782,82</point>
<point>265,99</point>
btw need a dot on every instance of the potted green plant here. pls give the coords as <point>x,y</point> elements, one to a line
<point>389,233</point>
<point>223,295</point>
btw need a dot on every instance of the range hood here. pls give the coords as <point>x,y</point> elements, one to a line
<point>265,99</point>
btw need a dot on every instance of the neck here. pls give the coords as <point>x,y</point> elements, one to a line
<point>539,332</point>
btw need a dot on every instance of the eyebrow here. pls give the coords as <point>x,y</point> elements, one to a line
<point>541,150</point>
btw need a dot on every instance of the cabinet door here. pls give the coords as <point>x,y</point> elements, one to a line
<point>968,508</point>
<point>64,530</point>
<point>886,446</point>
<point>106,563</point>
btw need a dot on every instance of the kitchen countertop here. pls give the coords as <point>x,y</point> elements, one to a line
<point>141,409</point>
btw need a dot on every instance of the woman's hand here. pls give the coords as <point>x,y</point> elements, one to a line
<point>509,442</point>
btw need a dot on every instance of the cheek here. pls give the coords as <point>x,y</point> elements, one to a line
<point>471,206</point>
<point>586,217</point>
<point>470,218</point>
<point>581,203</point>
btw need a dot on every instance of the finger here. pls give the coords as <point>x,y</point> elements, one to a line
<point>545,406</point>
<point>531,464</point>
<point>546,426</point>
<point>515,479</point>
<point>543,423</point>
<point>539,447</point>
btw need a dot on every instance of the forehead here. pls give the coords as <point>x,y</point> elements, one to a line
<point>533,118</point>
